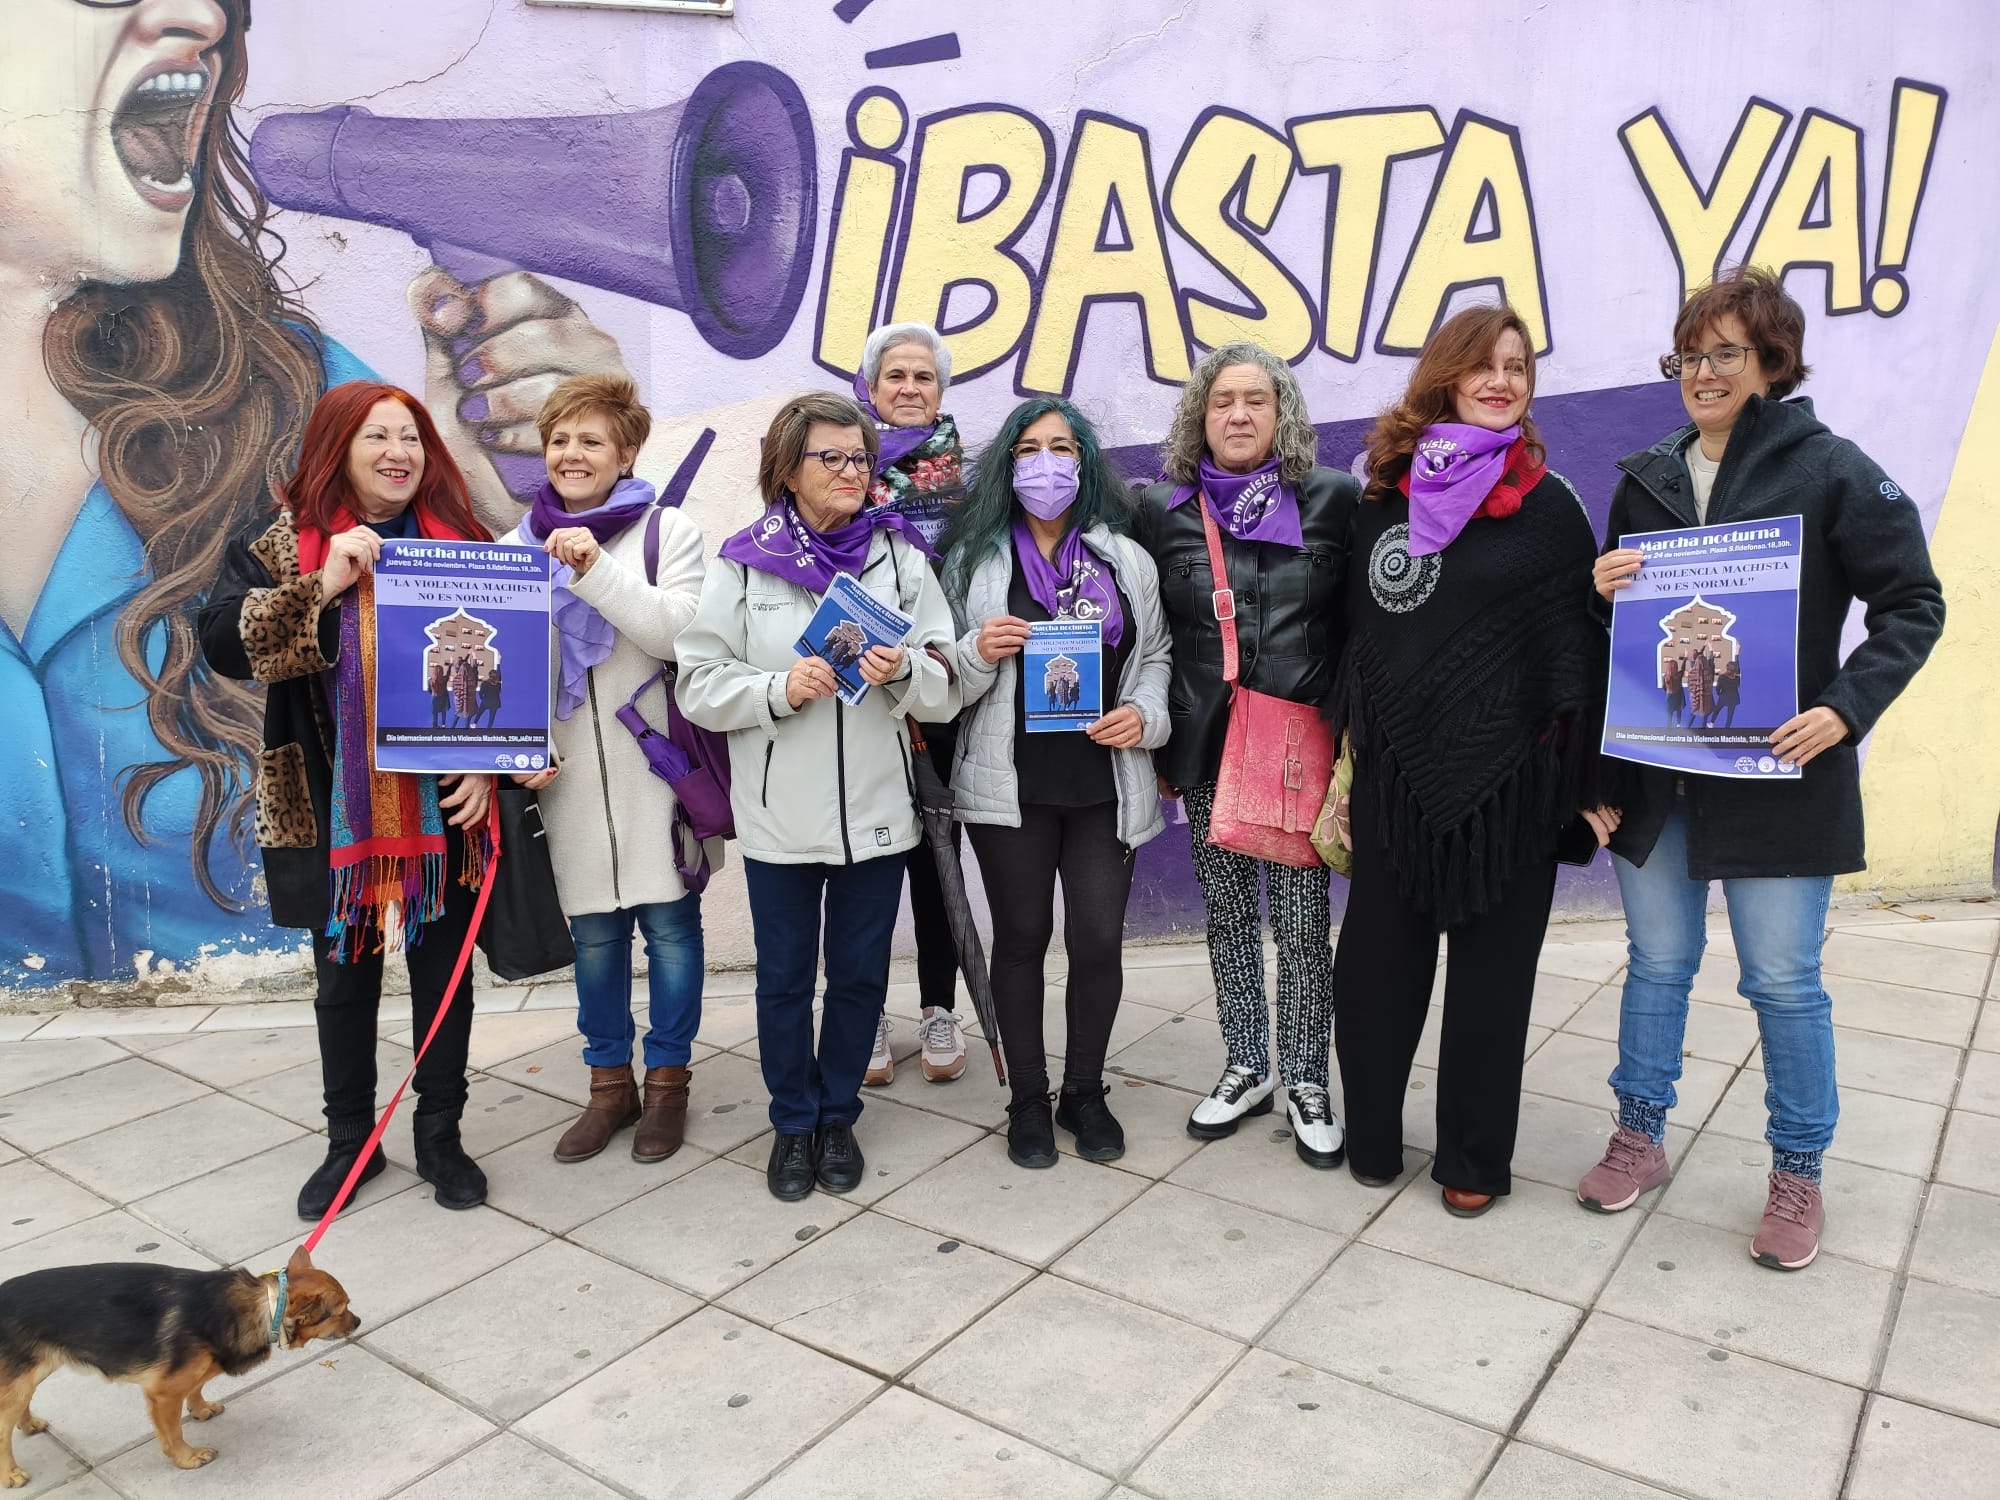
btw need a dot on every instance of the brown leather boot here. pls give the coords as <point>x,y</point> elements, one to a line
<point>664,1121</point>
<point>614,1104</point>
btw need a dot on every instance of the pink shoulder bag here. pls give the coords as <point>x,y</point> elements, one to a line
<point>1277,760</point>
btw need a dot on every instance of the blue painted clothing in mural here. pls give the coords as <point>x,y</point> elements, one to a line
<point>80,896</point>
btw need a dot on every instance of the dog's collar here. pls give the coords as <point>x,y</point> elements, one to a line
<point>275,1296</point>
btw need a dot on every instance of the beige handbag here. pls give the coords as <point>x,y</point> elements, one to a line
<point>1329,836</point>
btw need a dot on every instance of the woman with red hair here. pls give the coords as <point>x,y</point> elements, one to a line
<point>391,860</point>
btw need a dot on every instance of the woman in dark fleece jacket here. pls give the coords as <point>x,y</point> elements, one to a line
<point>1775,845</point>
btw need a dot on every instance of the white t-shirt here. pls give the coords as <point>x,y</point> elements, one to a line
<point>1701,470</point>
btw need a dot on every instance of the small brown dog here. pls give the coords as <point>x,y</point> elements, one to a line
<point>167,1330</point>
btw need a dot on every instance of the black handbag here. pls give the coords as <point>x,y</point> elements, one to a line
<point>525,932</point>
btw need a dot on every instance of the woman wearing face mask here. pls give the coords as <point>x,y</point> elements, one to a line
<point>822,792</point>
<point>905,371</point>
<point>609,819</point>
<point>1040,537</point>
<point>1748,453</point>
<point>412,850</point>
<point>1469,687</point>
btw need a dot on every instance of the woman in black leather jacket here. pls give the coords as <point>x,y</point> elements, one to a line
<point>1242,445</point>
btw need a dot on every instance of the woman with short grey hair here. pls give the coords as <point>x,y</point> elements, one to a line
<point>1242,447</point>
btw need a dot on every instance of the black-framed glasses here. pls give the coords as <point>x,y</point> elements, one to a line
<point>1726,361</point>
<point>836,461</point>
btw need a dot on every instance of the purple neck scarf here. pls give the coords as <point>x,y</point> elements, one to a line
<point>1452,470</point>
<point>1076,586</point>
<point>898,443</point>
<point>1253,507</point>
<point>780,543</point>
<point>584,638</point>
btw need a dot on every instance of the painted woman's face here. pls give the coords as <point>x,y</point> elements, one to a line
<point>102,112</point>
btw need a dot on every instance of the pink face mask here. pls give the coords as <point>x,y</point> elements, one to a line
<point>1045,483</point>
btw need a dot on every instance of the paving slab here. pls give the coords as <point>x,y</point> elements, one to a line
<point>1558,1140</point>
<point>937,1452</point>
<point>1527,1473</point>
<point>1958,1242</point>
<point>980,1197</point>
<point>1106,1380</point>
<point>1597,961</point>
<point>116,1235</point>
<point>187,1141</point>
<point>34,1200</point>
<point>1189,1056</point>
<point>1259,1168</point>
<point>1928,966</point>
<point>507,1466</point>
<point>899,1143</point>
<point>237,1210</point>
<point>31,1065</point>
<point>1971,1156</point>
<point>1452,1342</point>
<point>876,1292</point>
<point>1213,1263</point>
<point>1877,1130</point>
<point>82,1104</point>
<point>223,1059</point>
<point>516,1337</point>
<point>1558,997</point>
<point>1908,1451</point>
<point>1719,1033</point>
<point>1902,1010</point>
<point>1975,935</point>
<point>1705,1427</point>
<point>1576,1067</point>
<point>527,1181</point>
<point>138,1020</point>
<point>1272,1426</point>
<point>709,1408</point>
<point>1945,1351</point>
<point>19,1027</point>
<point>299,1095</point>
<point>1980,1090</point>
<point>1884,1064</point>
<point>53,1470</point>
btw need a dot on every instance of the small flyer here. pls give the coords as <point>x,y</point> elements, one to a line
<point>461,657</point>
<point>848,621</point>
<point>1062,676</point>
<point>1704,649</point>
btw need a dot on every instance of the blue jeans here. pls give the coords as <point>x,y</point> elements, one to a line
<point>672,930</point>
<point>1779,925</point>
<point>809,1089</point>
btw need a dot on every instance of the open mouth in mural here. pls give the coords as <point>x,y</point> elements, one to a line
<point>154,132</point>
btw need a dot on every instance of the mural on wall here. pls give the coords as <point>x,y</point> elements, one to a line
<point>203,223</point>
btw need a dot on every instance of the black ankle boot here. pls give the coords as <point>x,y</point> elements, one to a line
<point>1083,1113</point>
<point>442,1162</point>
<point>316,1197</point>
<point>1031,1133</point>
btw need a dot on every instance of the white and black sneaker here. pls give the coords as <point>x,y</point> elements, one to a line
<point>1236,1094</point>
<point>1316,1132</point>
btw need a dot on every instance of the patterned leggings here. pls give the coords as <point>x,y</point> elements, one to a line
<point>1302,922</point>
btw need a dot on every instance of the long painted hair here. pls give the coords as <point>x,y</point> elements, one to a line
<point>1461,346</point>
<point>319,489</point>
<point>984,519</point>
<point>196,388</point>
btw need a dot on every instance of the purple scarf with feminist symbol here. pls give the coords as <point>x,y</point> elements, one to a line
<point>1453,468</point>
<point>1076,586</point>
<point>584,638</point>
<point>1253,507</point>
<point>781,544</point>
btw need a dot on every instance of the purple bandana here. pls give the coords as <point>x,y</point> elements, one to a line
<point>584,638</point>
<point>1076,586</point>
<point>898,443</point>
<point>780,543</point>
<point>1453,468</point>
<point>1253,507</point>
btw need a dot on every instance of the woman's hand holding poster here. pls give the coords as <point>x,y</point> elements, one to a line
<point>461,658</point>
<point>1704,649</point>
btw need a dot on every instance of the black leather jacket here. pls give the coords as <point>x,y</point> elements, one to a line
<point>1289,615</point>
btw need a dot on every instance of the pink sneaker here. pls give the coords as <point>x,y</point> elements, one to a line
<point>1788,1237</point>
<point>1632,1164</point>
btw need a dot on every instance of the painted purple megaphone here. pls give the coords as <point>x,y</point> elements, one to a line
<point>707,206</point>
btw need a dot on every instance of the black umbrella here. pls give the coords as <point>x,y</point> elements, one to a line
<point>934,804</point>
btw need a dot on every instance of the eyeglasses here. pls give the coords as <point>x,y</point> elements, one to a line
<point>1063,447</point>
<point>836,461</point>
<point>1728,360</point>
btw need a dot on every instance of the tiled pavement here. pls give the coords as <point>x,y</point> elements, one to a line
<point>1194,1321</point>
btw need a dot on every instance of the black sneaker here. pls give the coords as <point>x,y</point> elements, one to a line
<point>837,1156</point>
<point>1084,1114</point>
<point>789,1174</point>
<point>1031,1133</point>
<point>316,1197</point>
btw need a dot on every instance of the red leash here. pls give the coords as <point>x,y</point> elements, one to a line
<point>450,994</point>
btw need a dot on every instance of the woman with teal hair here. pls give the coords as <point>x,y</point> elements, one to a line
<point>1038,552</point>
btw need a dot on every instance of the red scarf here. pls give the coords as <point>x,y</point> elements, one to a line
<point>313,541</point>
<point>1521,475</point>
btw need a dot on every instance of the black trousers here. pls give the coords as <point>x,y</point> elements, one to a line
<point>937,950</point>
<point>1019,867</point>
<point>350,994</point>
<point>1383,971</point>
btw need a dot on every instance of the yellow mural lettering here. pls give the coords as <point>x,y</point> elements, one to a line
<point>944,247</point>
<point>1699,225</point>
<point>864,211</point>
<point>1814,216</point>
<point>1484,180</point>
<point>1913,128</point>
<point>1107,243</point>
<point>1225,191</point>
<point>1358,147</point>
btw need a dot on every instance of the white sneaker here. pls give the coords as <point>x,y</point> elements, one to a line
<point>1238,1093</point>
<point>881,1066</point>
<point>943,1045</point>
<point>1316,1132</point>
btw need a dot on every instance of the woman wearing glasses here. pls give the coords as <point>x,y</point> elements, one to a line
<point>1040,537</point>
<point>822,790</point>
<point>1746,454</point>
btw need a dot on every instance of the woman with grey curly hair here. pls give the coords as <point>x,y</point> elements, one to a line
<point>1242,444</point>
